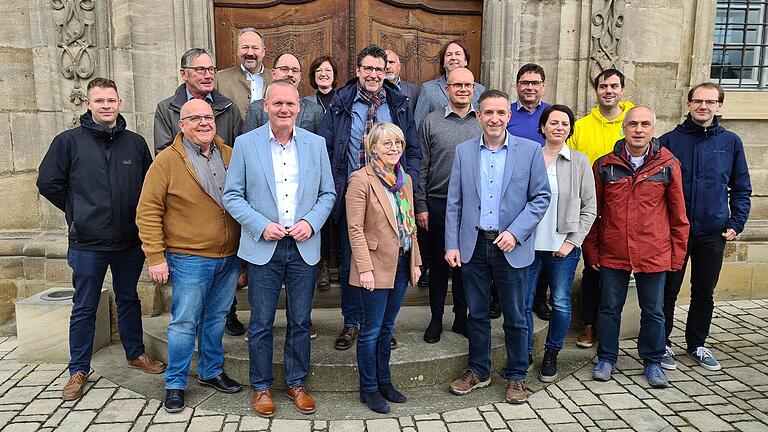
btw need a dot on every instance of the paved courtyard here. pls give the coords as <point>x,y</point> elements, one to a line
<point>735,398</point>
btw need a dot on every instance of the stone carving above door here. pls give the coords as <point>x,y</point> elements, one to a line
<point>76,60</point>
<point>606,31</point>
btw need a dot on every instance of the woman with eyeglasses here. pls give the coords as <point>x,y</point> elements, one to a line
<point>385,257</point>
<point>559,235</point>
<point>322,78</point>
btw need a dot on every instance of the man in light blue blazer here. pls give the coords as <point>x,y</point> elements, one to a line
<point>281,191</point>
<point>497,194</point>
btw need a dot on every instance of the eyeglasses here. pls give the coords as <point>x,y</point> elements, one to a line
<point>326,70</point>
<point>100,101</point>
<point>388,144</point>
<point>459,86</point>
<point>529,83</point>
<point>198,118</point>
<point>202,70</point>
<point>370,69</point>
<point>286,69</point>
<point>700,102</point>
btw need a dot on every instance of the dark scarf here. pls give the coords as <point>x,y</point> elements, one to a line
<point>374,101</point>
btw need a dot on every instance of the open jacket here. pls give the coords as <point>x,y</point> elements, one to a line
<point>576,205</point>
<point>373,233</point>
<point>641,224</point>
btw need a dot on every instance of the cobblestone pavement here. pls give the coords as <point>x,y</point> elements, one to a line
<point>735,398</point>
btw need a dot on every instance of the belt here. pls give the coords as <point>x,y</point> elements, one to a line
<point>488,235</point>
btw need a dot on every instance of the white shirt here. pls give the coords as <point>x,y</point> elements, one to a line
<point>547,237</point>
<point>285,163</point>
<point>257,82</point>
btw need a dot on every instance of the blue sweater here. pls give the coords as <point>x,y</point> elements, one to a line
<point>715,176</point>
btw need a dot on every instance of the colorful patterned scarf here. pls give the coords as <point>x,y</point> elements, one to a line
<point>374,101</point>
<point>394,180</point>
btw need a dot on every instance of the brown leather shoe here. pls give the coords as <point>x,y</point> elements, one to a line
<point>312,331</point>
<point>301,399</point>
<point>263,404</point>
<point>467,382</point>
<point>346,338</point>
<point>146,364</point>
<point>587,337</point>
<point>515,393</point>
<point>74,388</point>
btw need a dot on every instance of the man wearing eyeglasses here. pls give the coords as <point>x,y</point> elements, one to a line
<point>191,240</point>
<point>245,82</point>
<point>392,74</point>
<point>365,100</point>
<point>286,67</point>
<point>439,134</point>
<point>198,72</point>
<point>717,187</point>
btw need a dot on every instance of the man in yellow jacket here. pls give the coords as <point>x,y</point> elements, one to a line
<point>595,135</point>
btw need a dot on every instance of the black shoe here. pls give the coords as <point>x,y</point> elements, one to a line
<point>548,372</point>
<point>392,343</point>
<point>495,309</point>
<point>435,327</point>
<point>222,383</point>
<point>424,279</point>
<point>542,310</point>
<point>460,324</point>
<point>375,402</point>
<point>391,394</point>
<point>174,400</point>
<point>234,327</point>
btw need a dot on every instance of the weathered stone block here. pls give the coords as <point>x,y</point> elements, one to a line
<point>151,298</point>
<point>18,202</point>
<point>6,145</point>
<point>14,24</point>
<point>757,156</point>
<point>661,77</point>
<point>57,270</point>
<point>17,65</point>
<point>752,132</point>
<point>144,126</point>
<point>34,313</point>
<point>759,178</point>
<point>8,293</point>
<point>759,282</point>
<point>652,24</point>
<point>34,268</point>
<point>163,82</point>
<point>531,46</point>
<point>11,267</point>
<point>757,253</point>
<point>51,218</point>
<point>759,208</point>
<point>154,20</point>
<point>735,281</point>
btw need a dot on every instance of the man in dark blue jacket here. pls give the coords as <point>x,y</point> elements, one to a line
<point>365,100</point>
<point>717,188</point>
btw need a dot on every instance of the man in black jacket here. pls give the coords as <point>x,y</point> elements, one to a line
<point>94,174</point>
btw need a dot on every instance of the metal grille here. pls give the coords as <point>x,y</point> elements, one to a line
<point>740,45</point>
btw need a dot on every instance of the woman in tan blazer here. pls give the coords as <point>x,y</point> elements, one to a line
<point>385,256</point>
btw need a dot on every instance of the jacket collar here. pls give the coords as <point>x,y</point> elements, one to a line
<point>690,127</point>
<point>219,104</point>
<point>347,94</point>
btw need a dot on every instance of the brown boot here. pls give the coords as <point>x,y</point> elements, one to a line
<point>301,399</point>
<point>587,337</point>
<point>346,338</point>
<point>146,364</point>
<point>74,388</point>
<point>323,278</point>
<point>515,393</point>
<point>263,404</point>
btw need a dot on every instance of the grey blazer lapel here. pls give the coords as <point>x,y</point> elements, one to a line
<point>509,164</point>
<point>264,153</point>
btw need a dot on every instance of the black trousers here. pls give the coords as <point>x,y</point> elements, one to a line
<point>439,269</point>
<point>590,295</point>
<point>705,252</point>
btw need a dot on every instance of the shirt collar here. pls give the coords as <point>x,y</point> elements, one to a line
<point>503,146</point>
<point>273,139</point>
<point>645,155</point>
<point>565,152</point>
<point>249,75</point>
<point>449,111</point>
<point>208,98</point>
<point>521,107</point>
<point>190,146</point>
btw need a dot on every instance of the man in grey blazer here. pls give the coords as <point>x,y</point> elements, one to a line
<point>286,67</point>
<point>392,74</point>
<point>497,194</point>
<point>281,191</point>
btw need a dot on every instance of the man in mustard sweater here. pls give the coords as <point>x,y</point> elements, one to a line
<point>595,135</point>
<point>190,239</point>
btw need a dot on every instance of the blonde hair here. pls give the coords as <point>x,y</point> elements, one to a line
<point>379,130</point>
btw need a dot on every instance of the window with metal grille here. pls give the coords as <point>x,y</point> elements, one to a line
<point>740,45</point>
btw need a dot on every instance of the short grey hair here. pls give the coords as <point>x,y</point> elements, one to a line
<point>281,83</point>
<point>653,113</point>
<point>191,54</point>
<point>245,30</point>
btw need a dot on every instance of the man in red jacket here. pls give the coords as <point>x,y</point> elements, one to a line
<point>641,227</point>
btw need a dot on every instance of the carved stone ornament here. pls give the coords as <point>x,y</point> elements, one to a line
<point>606,30</point>
<point>76,60</point>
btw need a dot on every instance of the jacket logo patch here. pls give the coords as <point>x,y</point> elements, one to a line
<point>127,162</point>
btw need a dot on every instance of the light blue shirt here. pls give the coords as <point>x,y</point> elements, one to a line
<point>256,81</point>
<point>359,115</point>
<point>492,164</point>
<point>208,98</point>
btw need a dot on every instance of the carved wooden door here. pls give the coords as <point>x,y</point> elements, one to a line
<point>416,30</point>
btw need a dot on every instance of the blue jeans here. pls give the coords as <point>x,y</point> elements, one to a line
<point>203,289</point>
<point>264,285</point>
<point>88,271</point>
<point>378,311</point>
<point>560,272</point>
<point>350,301</point>
<point>487,264</point>
<point>650,295</point>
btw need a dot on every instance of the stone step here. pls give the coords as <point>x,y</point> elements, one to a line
<point>414,363</point>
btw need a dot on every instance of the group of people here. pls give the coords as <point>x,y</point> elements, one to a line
<point>250,181</point>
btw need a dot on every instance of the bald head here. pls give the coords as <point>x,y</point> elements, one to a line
<point>197,122</point>
<point>459,85</point>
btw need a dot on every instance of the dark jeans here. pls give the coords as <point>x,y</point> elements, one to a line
<point>286,267</point>
<point>438,275</point>
<point>590,295</point>
<point>650,295</point>
<point>488,263</point>
<point>560,272</point>
<point>350,300</point>
<point>378,312</point>
<point>706,254</point>
<point>88,271</point>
